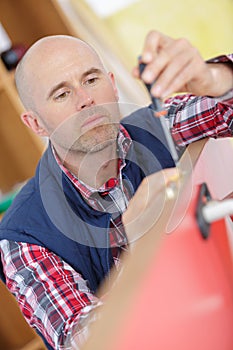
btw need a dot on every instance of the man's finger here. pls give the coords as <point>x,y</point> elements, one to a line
<point>153,42</point>
<point>173,72</point>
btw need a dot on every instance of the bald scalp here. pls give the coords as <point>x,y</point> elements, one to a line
<point>37,54</point>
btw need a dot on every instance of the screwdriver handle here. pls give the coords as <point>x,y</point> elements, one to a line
<point>160,112</point>
<point>156,102</point>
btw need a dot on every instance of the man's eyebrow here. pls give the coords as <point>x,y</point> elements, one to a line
<point>91,71</point>
<point>65,83</point>
<point>56,87</point>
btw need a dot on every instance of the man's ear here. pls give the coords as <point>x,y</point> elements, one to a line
<point>112,78</point>
<point>31,120</point>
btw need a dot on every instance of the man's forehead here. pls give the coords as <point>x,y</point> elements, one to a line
<point>57,47</point>
<point>53,51</point>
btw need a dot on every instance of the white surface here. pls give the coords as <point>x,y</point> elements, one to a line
<point>106,8</point>
<point>215,166</point>
<point>5,42</point>
<point>215,210</point>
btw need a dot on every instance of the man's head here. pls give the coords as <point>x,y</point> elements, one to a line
<point>67,93</point>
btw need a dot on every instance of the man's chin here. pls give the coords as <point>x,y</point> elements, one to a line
<point>96,139</point>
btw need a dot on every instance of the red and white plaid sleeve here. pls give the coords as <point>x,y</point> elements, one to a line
<point>53,297</point>
<point>194,117</point>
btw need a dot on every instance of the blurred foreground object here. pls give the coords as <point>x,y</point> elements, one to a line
<point>176,293</point>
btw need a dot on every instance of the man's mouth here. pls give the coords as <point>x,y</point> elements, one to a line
<point>94,121</point>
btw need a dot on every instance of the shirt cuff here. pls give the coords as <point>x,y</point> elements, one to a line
<point>228,96</point>
<point>80,327</point>
<point>221,59</point>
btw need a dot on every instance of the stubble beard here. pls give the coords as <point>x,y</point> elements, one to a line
<point>69,141</point>
<point>96,139</point>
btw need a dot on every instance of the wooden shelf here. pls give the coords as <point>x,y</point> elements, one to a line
<point>26,21</point>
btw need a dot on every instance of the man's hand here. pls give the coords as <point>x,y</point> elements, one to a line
<point>154,199</point>
<point>176,66</point>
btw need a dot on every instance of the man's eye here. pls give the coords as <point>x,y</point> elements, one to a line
<point>91,81</point>
<point>61,96</point>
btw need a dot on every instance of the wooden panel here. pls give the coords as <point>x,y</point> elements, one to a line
<point>18,152</point>
<point>25,21</point>
<point>3,73</point>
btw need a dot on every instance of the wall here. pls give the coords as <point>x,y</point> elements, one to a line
<point>207,24</point>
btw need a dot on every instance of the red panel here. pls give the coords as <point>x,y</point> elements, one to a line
<point>185,300</point>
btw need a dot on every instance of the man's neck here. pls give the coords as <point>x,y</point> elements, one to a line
<point>93,169</point>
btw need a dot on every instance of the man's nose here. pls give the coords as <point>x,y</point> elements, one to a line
<point>84,99</point>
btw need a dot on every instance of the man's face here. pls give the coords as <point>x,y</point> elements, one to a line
<point>75,98</point>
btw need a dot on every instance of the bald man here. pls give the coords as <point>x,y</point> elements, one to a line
<point>64,231</point>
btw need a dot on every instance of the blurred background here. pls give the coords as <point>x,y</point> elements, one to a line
<point>207,24</point>
<point>123,25</point>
